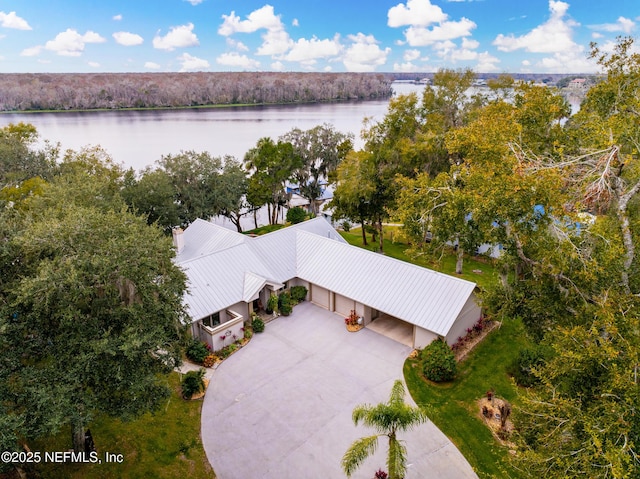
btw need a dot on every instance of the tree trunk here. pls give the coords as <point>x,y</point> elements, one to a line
<point>236,221</point>
<point>459,259</point>
<point>364,234</point>
<point>381,236</point>
<point>255,217</point>
<point>627,235</point>
<point>504,277</point>
<point>269,213</point>
<point>77,435</point>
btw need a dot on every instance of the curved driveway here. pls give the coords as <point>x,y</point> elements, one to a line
<point>280,408</point>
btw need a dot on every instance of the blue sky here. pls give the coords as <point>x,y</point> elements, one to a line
<point>309,35</point>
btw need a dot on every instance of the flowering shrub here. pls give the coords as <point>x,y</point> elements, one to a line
<point>352,319</point>
<point>380,474</point>
<point>471,333</point>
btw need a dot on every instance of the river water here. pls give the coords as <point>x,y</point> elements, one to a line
<point>139,138</point>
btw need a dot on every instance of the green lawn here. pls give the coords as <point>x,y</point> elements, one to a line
<point>447,263</point>
<point>263,230</point>
<point>163,445</point>
<point>453,406</point>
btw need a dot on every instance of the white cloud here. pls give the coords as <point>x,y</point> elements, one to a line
<point>555,35</point>
<point>364,54</point>
<point>152,65</point>
<point>275,42</point>
<point>526,63</point>
<point>236,60</point>
<point>178,37</point>
<point>305,50</point>
<point>453,53</point>
<point>596,35</point>
<point>406,67</point>
<point>277,66</point>
<point>194,2</point>
<point>32,51</point>
<point>237,45</point>
<point>117,17</point>
<point>71,44</point>
<point>562,62</point>
<point>263,18</point>
<point>295,22</point>
<point>420,36</point>
<point>93,64</point>
<point>486,63</point>
<point>410,55</point>
<point>128,39</point>
<point>191,63</point>
<point>470,44</point>
<point>11,20</point>
<point>623,25</point>
<point>415,13</point>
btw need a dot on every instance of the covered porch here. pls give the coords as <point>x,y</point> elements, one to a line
<point>217,336</point>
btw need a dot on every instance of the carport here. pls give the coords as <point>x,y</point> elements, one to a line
<point>393,328</point>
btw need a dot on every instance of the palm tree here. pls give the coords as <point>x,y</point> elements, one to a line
<point>386,418</point>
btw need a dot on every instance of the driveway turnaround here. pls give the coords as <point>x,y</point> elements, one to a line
<point>280,408</point>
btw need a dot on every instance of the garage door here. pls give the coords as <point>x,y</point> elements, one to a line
<point>320,296</point>
<point>344,305</point>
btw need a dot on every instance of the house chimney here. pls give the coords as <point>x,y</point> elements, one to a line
<point>178,239</point>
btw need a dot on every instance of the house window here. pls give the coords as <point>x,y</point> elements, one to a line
<point>212,320</point>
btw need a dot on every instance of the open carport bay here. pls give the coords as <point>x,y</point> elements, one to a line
<point>281,407</point>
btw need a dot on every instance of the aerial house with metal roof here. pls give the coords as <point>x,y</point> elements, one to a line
<point>230,275</point>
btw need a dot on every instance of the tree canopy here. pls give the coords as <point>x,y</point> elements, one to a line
<point>91,308</point>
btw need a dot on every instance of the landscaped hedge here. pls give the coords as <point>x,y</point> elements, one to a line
<point>192,383</point>
<point>284,303</point>
<point>298,293</point>
<point>438,362</point>
<point>257,325</point>
<point>197,351</point>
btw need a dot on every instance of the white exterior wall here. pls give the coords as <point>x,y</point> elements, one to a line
<point>240,308</point>
<point>364,311</point>
<point>469,315</point>
<point>229,329</point>
<point>301,282</point>
<point>422,337</point>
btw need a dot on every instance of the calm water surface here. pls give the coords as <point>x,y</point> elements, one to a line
<point>139,138</point>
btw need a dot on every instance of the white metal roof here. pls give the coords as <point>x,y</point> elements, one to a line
<point>202,238</point>
<point>414,294</point>
<point>228,267</point>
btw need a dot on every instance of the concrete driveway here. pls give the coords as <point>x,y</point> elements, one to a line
<point>281,407</point>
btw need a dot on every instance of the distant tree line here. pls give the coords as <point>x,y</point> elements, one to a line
<point>67,91</point>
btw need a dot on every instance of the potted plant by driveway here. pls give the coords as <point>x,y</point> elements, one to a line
<point>272,304</point>
<point>353,321</point>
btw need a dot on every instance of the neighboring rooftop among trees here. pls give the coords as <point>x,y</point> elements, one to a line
<point>84,91</point>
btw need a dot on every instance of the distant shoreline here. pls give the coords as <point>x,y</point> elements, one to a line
<point>67,92</point>
<point>184,107</point>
